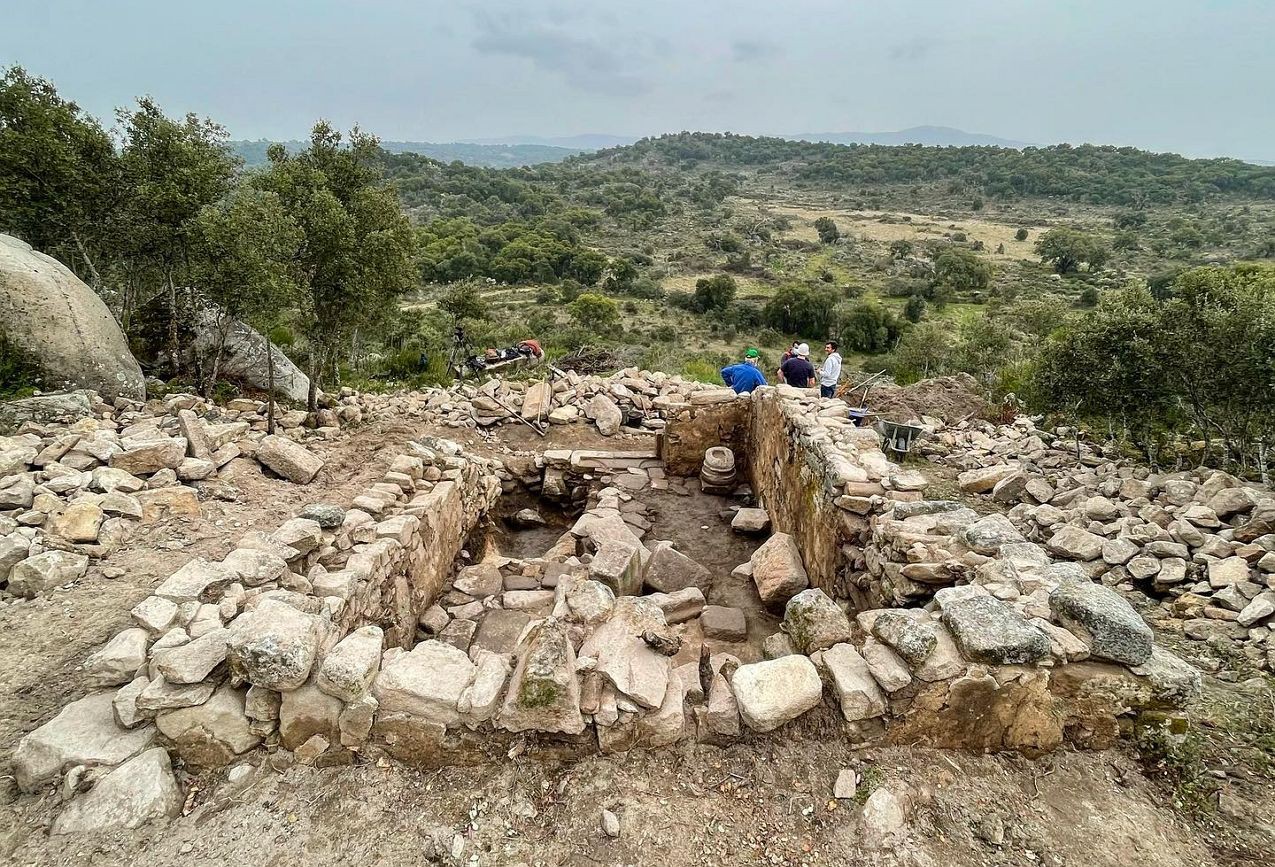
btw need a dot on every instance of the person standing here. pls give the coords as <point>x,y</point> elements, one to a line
<point>744,377</point>
<point>830,371</point>
<point>783,359</point>
<point>798,370</point>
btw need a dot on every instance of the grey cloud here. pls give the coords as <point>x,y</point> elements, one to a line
<point>749,50</point>
<point>588,64</point>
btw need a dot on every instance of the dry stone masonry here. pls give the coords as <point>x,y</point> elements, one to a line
<point>371,629</point>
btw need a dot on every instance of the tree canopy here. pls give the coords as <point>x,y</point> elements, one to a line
<point>356,256</point>
<point>1067,249</point>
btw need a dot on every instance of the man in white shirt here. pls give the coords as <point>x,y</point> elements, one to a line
<point>830,372</point>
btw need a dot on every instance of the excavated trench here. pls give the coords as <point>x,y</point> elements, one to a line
<point>524,526</point>
<point>431,624</point>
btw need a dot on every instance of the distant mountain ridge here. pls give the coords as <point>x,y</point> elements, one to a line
<point>933,136</point>
<point>513,151</point>
<point>583,142</point>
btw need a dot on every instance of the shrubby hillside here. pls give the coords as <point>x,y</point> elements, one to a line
<point>1027,269</point>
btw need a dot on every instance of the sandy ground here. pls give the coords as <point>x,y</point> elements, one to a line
<point>767,801</point>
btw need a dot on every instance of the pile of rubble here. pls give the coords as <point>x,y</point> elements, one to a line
<point>78,476</point>
<point>633,398</point>
<point>1201,542</point>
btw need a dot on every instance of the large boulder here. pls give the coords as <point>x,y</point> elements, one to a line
<point>350,667</point>
<point>778,571</point>
<point>426,683</point>
<point>1103,620</point>
<point>544,694</point>
<point>244,355</point>
<point>1075,543</point>
<point>289,459</point>
<point>44,571</point>
<point>773,692</point>
<point>605,414</point>
<point>991,631</point>
<point>61,326</point>
<point>669,571</point>
<point>856,689</point>
<point>275,645</point>
<point>211,734</point>
<point>814,622</point>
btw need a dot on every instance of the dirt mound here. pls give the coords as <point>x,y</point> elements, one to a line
<point>951,398</point>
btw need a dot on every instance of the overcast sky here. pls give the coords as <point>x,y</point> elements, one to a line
<point>1191,76</point>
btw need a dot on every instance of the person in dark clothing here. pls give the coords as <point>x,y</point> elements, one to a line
<point>798,370</point>
<point>744,377</point>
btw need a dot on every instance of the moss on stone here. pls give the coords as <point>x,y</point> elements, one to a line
<point>19,373</point>
<point>538,693</point>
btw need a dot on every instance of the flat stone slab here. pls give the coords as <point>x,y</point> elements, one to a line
<point>724,624</point>
<point>83,733</point>
<point>138,791</point>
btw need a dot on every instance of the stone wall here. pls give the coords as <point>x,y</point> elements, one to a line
<point>821,479</point>
<point>226,654</point>
<point>710,418</point>
<point>926,623</point>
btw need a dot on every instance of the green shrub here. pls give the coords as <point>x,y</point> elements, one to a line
<point>19,374</point>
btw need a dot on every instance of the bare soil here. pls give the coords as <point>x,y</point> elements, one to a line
<point>950,398</point>
<point>766,801</point>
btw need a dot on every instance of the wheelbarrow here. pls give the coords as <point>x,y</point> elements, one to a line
<point>898,437</point>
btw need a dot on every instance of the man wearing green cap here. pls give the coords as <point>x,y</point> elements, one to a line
<point>745,376</point>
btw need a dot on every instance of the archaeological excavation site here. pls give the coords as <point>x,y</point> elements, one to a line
<point>674,573</point>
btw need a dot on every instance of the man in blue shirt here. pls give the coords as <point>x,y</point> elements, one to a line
<point>745,376</point>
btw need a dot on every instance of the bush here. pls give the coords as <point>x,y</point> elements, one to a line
<point>914,311</point>
<point>19,374</point>
<point>1067,249</point>
<point>569,291</point>
<point>595,311</point>
<point>681,301</point>
<point>900,249</point>
<point>960,270</point>
<point>714,293</point>
<point>796,309</point>
<point>1020,235</point>
<point>868,327</point>
<point>827,229</point>
<point>645,287</point>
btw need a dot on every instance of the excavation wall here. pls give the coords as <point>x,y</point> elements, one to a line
<point>350,630</point>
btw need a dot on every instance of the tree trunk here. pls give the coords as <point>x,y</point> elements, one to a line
<point>173,347</point>
<point>88,262</point>
<point>316,365</point>
<point>269,385</point>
